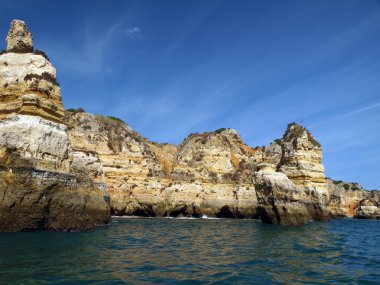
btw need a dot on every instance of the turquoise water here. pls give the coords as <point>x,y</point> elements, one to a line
<point>175,251</point>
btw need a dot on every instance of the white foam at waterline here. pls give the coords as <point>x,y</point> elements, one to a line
<point>129,217</point>
<point>205,217</point>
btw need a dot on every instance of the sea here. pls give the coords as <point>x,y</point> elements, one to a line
<point>135,250</point>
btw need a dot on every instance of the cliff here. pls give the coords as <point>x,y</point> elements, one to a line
<point>348,199</point>
<point>154,179</point>
<point>44,183</point>
<point>63,170</point>
<point>291,188</point>
<point>213,173</point>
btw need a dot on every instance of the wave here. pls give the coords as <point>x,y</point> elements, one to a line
<point>204,217</point>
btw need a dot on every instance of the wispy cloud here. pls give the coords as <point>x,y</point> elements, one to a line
<point>133,33</point>
<point>89,53</point>
<point>364,109</point>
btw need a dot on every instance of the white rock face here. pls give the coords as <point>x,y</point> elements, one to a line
<point>15,66</point>
<point>368,210</point>
<point>274,180</point>
<point>44,143</point>
<point>28,86</point>
<point>88,164</point>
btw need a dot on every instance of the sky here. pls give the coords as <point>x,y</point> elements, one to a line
<point>171,68</point>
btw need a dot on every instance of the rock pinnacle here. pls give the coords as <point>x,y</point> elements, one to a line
<point>19,39</point>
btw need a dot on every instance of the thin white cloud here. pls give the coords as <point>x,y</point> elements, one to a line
<point>366,108</point>
<point>133,32</point>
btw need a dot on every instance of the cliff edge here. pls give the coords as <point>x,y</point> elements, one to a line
<point>69,170</point>
<point>44,182</point>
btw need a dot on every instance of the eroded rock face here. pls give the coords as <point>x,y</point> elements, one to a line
<point>301,158</point>
<point>19,38</point>
<point>280,202</point>
<point>28,82</point>
<point>28,86</point>
<point>348,199</point>
<point>44,184</point>
<point>290,184</point>
<point>32,199</point>
<point>41,179</point>
<point>344,202</point>
<point>212,174</point>
<point>59,177</point>
<point>208,174</point>
<point>34,142</point>
<point>369,208</point>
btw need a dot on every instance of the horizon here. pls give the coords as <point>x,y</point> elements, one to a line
<point>173,68</point>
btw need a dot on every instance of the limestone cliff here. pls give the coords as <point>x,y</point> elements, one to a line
<point>349,199</point>
<point>214,173</point>
<point>154,179</point>
<point>28,82</point>
<point>73,175</point>
<point>369,208</point>
<point>44,184</point>
<point>290,186</point>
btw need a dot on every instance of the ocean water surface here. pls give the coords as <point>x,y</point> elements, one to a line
<point>196,251</point>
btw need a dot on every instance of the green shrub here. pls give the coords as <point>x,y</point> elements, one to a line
<point>138,139</point>
<point>45,76</point>
<point>291,124</point>
<point>355,188</point>
<point>278,141</point>
<point>338,182</point>
<point>218,131</point>
<point>79,110</point>
<point>116,119</point>
<point>346,186</point>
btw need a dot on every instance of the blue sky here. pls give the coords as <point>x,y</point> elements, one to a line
<point>170,68</point>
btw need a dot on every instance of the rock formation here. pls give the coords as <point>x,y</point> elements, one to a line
<point>44,183</point>
<point>28,82</point>
<point>351,200</point>
<point>291,189</point>
<point>214,173</point>
<point>19,39</point>
<point>369,208</point>
<point>154,179</point>
<point>55,176</point>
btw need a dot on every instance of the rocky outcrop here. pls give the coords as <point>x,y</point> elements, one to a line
<point>290,184</point>
<point>19,38</point>
<point>349,199</point>
<point>44,184</point>
<point>71,176</point>
<point>301,158</point>
<point>213,173</point>
<point>28,82</point>
<point>344,198</point>
<point>208,174</point>
<point>369,208</point>
<point>279,200</point>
